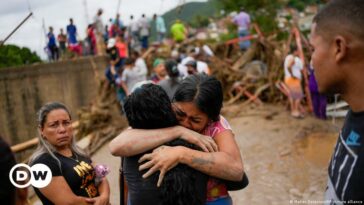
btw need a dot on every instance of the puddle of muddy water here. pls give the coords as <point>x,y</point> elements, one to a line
<point>316,148</point>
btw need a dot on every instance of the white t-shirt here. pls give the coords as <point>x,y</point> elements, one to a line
<point>202,67</point>
<point>98,24</point>
<point>134,26</point>
<point>130,78</point>
<point>141,69</point>
<point>296,68</point>
<point>144,27</point>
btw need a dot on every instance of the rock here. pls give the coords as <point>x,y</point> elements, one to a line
<point>295,192</point>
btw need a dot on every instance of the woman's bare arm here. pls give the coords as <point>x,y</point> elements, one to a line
<point>135,141</point>
<point>104,191</point>
<point>59,192</point>
<point>225,164</point>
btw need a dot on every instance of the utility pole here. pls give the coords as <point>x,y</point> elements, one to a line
<point>86,11</point>
<point>118,7</point>
<point>16,28</point>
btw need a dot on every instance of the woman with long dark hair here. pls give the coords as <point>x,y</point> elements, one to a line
<point>197,104</point>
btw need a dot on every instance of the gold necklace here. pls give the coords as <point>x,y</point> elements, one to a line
<point>74,159</point>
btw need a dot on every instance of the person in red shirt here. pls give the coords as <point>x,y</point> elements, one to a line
<point>62,39</point>
<point>122,48</point>
<point>91,38</point>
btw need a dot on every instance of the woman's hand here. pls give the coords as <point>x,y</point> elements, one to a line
<point>100,200</point>
<point>206,143</point>
<point>161,159</point>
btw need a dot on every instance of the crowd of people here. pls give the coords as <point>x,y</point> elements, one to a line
<point>126,70</point>
<point>136,35</point>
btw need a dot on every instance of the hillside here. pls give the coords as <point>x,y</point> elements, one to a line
<point>187,13</point>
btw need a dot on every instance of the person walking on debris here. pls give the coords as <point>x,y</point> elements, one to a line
<point>242,21</point>
<point>112,71</point>
<point>99,29</point>
<point>292,78</point>
<point>337,40</point>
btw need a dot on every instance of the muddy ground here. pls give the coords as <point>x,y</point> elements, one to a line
<point>285,158</point>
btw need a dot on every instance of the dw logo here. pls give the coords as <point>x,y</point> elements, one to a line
<point>39,175</point>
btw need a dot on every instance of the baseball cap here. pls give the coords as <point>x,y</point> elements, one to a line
<point>191,63</point>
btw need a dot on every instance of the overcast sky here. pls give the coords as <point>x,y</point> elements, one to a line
<point>57,14</point>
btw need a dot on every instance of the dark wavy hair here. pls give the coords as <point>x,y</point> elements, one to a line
<point>149,107</point>
<point>203,90</point>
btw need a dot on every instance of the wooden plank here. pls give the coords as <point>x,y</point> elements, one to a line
<point>25,145</point>
<point>338,105</point>
<point>340,113</point>
<point>245,38</point>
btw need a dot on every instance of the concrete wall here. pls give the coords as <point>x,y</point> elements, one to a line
<point>23,90</point>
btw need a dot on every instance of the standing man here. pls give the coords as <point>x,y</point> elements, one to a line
<point>144,31</point>
<point>73,45</point>
<point>72,33</point>
<point>52,46</point>
<point>134,32</point>
<point>99,28</point>
<point>179,32</point>
<point>337,40</point>
<point>160,28</point>
<point>62,39</point>
<point>242,20</point>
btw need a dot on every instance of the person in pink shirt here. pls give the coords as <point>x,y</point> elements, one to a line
<point>197,104</point>
<point>242,21</point>
<point>122,48</point>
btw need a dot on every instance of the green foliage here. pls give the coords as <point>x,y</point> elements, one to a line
<point>194,12</point>
<point>199,21</point>
<point>12,55</point>
<point>301,4</point>
<point>297,4</point>
<point>228,36</point>
<point>262,12</point>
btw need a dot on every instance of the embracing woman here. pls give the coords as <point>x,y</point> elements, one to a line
<point>197,104</point>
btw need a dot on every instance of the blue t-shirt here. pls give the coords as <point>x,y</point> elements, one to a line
<point>71,32</point>
<point>51,40</point>
<point>346,168</point>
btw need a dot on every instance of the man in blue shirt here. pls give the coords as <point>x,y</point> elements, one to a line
<point>72,33</point>
<point>52,46</point>
<point>337,46</point>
